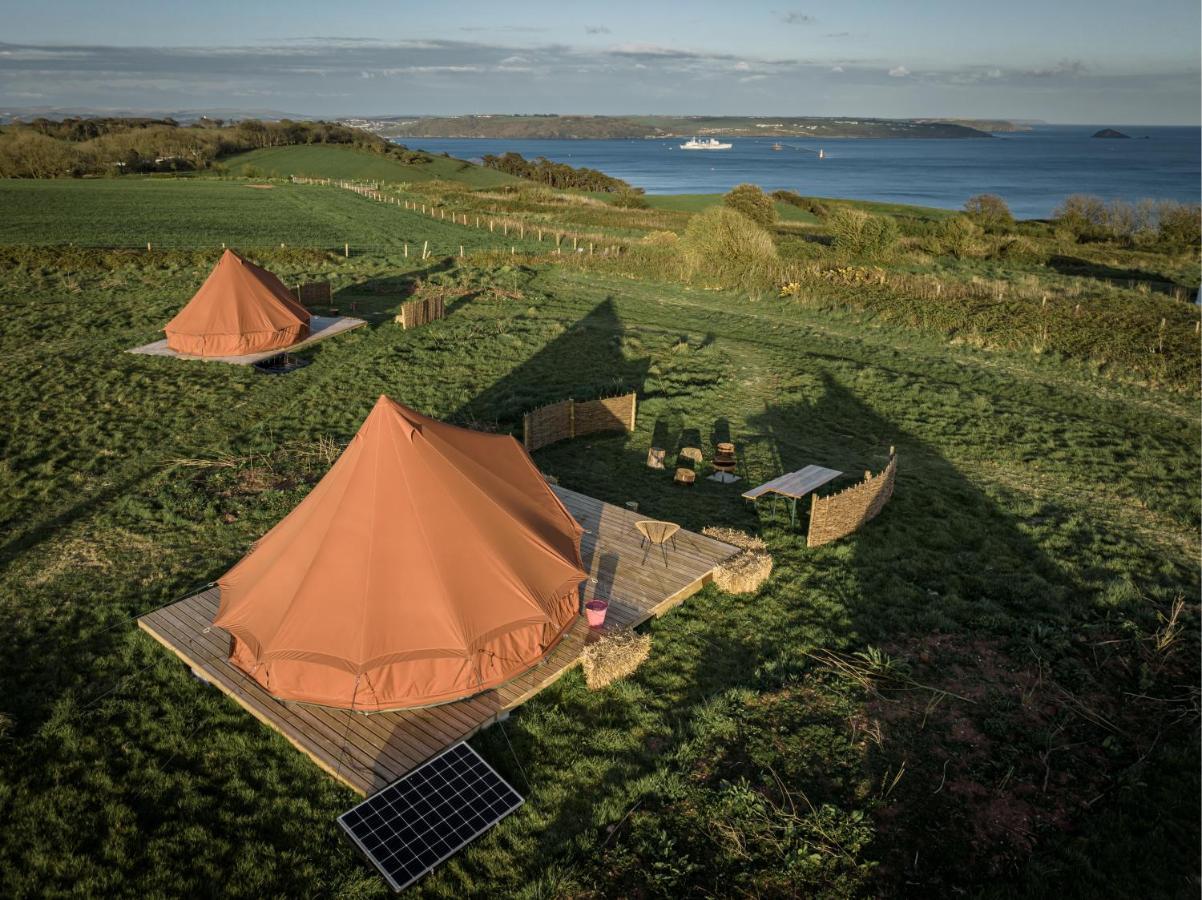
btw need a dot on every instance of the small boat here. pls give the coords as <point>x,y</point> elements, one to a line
<point>698,144</point>
<point>778,146</point>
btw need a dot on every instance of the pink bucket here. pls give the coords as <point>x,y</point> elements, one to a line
<point>595,610</point>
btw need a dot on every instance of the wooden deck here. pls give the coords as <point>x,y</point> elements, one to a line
<point>320,328</point>
<point>381,747</point>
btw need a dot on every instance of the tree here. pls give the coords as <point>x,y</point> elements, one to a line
<point>753,203</point>
<point>989,210</point>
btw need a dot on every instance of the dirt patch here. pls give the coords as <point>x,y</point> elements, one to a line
<point>261,187</point>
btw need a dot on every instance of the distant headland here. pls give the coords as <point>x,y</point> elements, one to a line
<point>1110,133</point>
<point>552,127</point>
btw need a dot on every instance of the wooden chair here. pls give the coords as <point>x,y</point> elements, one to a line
<point>656,534</point>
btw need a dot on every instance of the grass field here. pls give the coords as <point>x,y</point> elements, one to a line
<point>202,213</point>
<point>334,161</point>
<point>985,691</point>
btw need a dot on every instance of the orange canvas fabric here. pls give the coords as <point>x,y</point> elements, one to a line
<point>241,308</point>
<point>430,563</point>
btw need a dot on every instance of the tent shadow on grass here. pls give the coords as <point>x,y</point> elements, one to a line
<point>585,362</point>
<point>941,556</point>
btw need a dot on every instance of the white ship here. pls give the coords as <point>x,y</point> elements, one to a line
<point>698,144</point>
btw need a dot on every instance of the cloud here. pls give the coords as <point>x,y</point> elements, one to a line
<point>640,48</point>
<point>596,29</point>
<point>1069,67</point>
<point>348,76</point>
<point>797,18</point>
<point>527,29</point>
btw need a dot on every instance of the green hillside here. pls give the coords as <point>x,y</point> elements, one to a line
<point>334,161</point>
<point>203,213</point>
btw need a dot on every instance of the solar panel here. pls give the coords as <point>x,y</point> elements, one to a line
<point>418,821</point>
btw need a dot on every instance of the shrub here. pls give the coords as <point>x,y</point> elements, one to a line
<point>630,198</point>
<point>815,207</point>
<point>727,245</point>
<point>1179,225</point>
<point>753,203</point>
<point>989,211</point>
<point>957,236</point>
<point>1083,216</point>
<point>1021,250</point>
<point>858,234</point>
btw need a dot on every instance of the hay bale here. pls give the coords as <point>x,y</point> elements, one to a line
<point>744,573</point>
<point>740,539</point>
<point>614,656</point>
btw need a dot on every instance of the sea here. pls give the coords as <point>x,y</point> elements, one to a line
<point>1031,170</point>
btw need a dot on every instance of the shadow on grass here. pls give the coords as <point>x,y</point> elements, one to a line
<point>944,581</point>
<point>585,362</point>
<point>1084,268</point>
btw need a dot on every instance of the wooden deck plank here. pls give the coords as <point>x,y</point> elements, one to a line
<point>321,327</point>
<point>369,751</point>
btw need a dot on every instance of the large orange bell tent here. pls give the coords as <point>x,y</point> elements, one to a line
<point>430,563</point>
<point>241,308</point>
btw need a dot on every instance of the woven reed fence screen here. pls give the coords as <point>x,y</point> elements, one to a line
<point>840,514</point>
<point>314,292</point>
<point>569,419</point>
<point>420,312</point>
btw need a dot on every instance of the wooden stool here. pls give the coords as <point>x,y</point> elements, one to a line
<point>693,453</point>
<point>724,459</point>
<point>725,463</point>
<point>685,476</point>
<point>655,457</point>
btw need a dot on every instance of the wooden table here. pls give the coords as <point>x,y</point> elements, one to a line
<point>793,486</point>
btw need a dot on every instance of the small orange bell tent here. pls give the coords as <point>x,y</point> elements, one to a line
<point>241,308</point>
<point>430,563</point>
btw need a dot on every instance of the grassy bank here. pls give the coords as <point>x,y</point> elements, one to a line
<point>988,690</point>
<point>978,691</point>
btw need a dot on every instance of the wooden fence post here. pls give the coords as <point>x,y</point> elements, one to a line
<point>346,249</point>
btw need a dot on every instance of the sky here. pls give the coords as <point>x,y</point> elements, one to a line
<point>1065,61</point>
